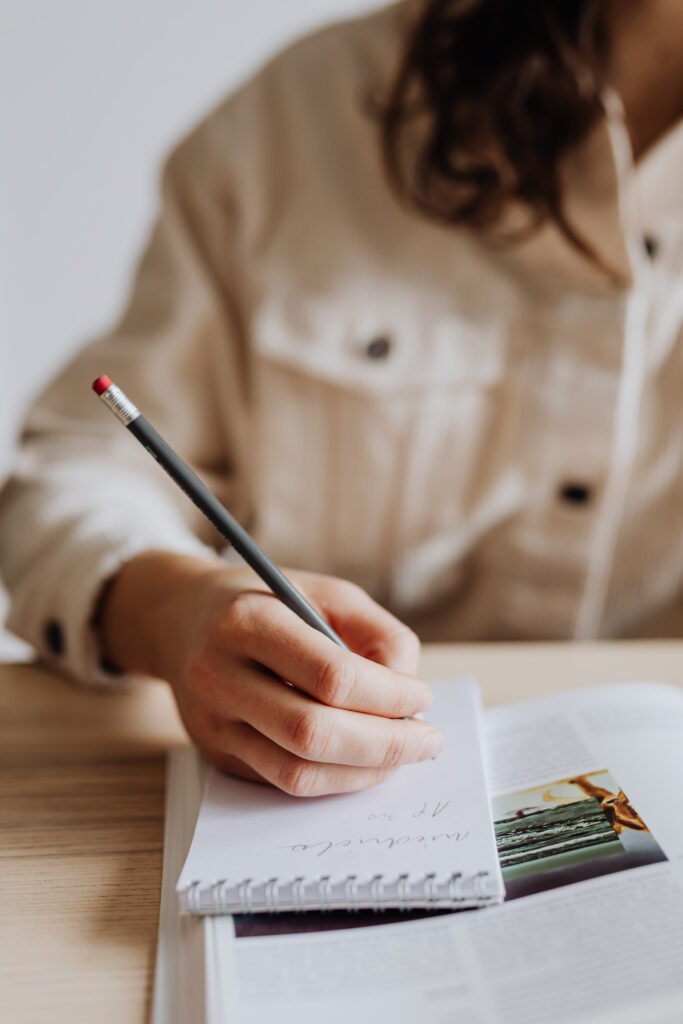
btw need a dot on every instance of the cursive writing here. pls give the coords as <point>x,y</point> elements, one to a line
<point>324,846</point>
<point>425,810</point>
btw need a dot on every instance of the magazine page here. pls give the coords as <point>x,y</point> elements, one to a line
<point>587,804</point>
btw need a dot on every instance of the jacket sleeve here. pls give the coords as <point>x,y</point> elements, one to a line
<point>85,497</point>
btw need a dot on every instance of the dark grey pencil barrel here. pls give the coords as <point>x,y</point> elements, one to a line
<point>228,527</point>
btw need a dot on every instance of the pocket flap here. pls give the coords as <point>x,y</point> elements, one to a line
<point>378,352</point>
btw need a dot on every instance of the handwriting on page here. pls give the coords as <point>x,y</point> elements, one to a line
<point>425,810</point>
<point>388,842</point>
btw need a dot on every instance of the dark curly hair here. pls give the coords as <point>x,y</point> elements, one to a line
<point>490,95</point>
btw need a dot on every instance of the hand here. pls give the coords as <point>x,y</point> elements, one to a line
<point>264,695</point>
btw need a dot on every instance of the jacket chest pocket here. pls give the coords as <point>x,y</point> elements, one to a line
<point>373,443</point>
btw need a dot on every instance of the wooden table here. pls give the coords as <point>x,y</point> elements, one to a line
<point>81,817</point>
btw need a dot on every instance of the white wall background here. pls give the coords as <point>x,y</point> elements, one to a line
<point>92,95</point>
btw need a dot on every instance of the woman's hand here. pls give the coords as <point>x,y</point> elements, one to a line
<point>264,695</point>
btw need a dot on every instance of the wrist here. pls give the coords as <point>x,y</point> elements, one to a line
<point>146,612</point>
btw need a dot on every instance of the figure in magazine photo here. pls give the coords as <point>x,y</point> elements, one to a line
<point>616,806</point>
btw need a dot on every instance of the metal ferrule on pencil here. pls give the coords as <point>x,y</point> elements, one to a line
<point>120,404</point>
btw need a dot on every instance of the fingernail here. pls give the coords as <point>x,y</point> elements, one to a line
<point>426,700</point>
<point>432,745</point>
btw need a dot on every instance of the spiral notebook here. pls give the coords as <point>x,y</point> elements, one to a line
<point>423,838</point>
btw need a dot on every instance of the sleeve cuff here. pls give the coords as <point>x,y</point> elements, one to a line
<point>58,622</point>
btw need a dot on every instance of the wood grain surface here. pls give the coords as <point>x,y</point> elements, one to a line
<point>81,817</point>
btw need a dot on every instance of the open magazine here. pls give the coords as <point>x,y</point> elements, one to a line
<point>586,797</point>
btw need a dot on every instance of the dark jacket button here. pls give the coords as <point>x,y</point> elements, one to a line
<point>53,634</point>
<point>378,348</point>
<point>651,246</point>
<point>575,493</point>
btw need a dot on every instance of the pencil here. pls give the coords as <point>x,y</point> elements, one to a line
<point>210,506</point>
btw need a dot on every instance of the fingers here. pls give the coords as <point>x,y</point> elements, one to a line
<point>261,629</point>
<point>364,625</point>
<point>253,755</point>
<point>324,734</point>
<point>268,697</point>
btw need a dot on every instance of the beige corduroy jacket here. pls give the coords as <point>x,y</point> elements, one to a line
<point>489,439</point>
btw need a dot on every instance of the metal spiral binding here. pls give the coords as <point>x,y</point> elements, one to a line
<point>431,888</point>
<point>403,891</point>
<point>377,892</point>
<point>271,893</point>
<point>351,890</point>
<point>480,883</point>
<point>299,893</point>
<point>244,894</point>
<point>454,885</point>
<point>324,893</point>
<point>193,897</point>
<point>217,894</point>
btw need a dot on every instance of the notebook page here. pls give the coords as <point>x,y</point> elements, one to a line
<point>429,818</point>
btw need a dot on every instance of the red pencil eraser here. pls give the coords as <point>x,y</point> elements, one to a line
<point>100,385</point>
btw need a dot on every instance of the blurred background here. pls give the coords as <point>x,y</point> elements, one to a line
<point>93,95</point>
